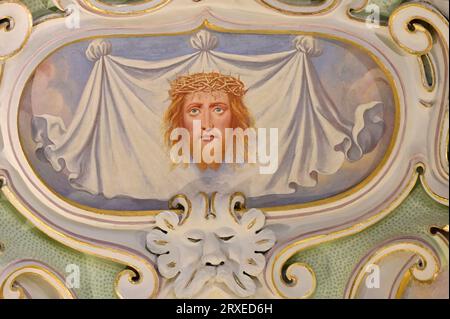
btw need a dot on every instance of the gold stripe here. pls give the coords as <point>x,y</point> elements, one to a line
<point>2,67</point>
<point>403,285</point>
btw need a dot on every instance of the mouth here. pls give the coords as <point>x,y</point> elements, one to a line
<point>212,269</point>
<point>207,137</point>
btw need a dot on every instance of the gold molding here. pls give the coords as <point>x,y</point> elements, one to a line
<point>37,269</point>
<point>131,274</point>
<point>331,6</point>
<point>443,39</point>
<point>280,259</point>
<point>351,293</point>
<point>441,233</point>
<point>294,280</point>
<point>440,141</point>
<point>11,197</point>
<point>93,8</point>
<point>404,283</point>
<point>417,27</point>
<point>4,27</point>
<point>186,211</point>
<point>27,36</point>
<point>136,262</point>
<point>440,238</point>
<point>275,265</point>
<point>2,67</point>
<point>234,199</point>
<point>426,85</point>
<point>125,4</point>
<point>429,191</point>
<point>360,9</point>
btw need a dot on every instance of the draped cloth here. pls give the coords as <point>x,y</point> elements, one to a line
<point>114,145</point>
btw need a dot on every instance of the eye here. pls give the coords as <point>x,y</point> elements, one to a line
<point>194,111</point>
<point>227,238</point>
<point>194,240</point>
<point>218,110</point>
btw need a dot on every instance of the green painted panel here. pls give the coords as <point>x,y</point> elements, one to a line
<point>23,241</point>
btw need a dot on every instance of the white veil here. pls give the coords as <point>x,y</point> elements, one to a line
<point>114,145</point>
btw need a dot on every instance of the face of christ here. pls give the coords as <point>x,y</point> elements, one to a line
<point>206,105</point>
<point>212,110</point>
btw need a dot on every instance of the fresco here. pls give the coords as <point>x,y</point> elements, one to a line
<point>96,118</point>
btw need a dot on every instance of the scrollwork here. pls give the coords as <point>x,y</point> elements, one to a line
<point>11,289</point>
<point>423,179</point>
<point>409,28</point>
<point>420,30</point>
<point>140,283</point>
<point>406,26</point>
<point>298,279</point>
<point>130,284</point>
<point>15,28</point>
<point>422,264</point>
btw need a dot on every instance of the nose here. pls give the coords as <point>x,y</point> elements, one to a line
<point>215,262</point>
<point>212,253</point>
<point>206,121</point>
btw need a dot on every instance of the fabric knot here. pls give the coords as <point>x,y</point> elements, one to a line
<point>204,41</point>
<point>308,45</point>
<point>97,49</point>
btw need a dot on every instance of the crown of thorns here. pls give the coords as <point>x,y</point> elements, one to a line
<point>207,82</point>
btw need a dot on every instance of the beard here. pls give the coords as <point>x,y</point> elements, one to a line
<point>238,282</point>
<point>213,148</point>
<point>193,278</point>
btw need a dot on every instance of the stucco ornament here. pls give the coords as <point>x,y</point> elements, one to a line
<point>210,243</point>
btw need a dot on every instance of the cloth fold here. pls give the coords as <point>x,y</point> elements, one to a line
<point>114,147</point>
